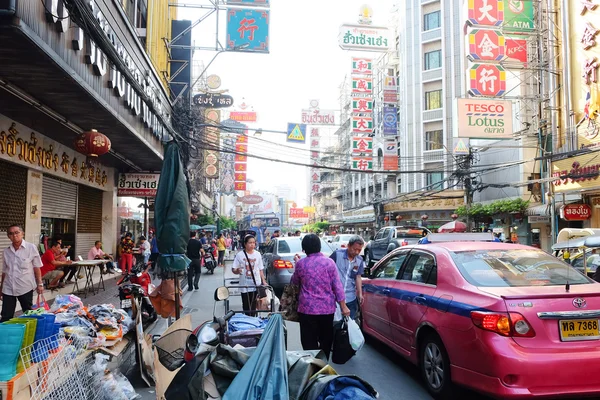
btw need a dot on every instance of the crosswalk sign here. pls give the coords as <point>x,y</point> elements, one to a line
<point>461,146</point>
<point>296,133</point>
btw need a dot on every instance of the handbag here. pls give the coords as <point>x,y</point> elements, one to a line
<point>261,290</point>
<point>342,349</point>
<point>289,303</point>
<point>41,303</point>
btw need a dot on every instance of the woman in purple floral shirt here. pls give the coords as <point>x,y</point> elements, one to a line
<point>320,289</point>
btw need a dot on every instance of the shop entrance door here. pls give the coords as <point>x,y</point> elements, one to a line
<point>59,212</point>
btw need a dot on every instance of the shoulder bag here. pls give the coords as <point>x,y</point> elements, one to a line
<point>289,303</point>
<point>261,290</point>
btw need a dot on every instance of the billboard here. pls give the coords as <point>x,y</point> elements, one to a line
<point>484,118</point>
<point>486,12</point>
<point>364,38</point>
<point>390,121</point>
<point>390,155</point>
<point>212,137</point>
<point>518,16</point>
<point>486,45</point>
<point>247,30</point>
<point>298,213</point>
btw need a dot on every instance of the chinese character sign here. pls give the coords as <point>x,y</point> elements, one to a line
<point>362,145</point>
<point>486,45</point>
<point>240,166</point>
<point>362,105</point>
<point>362,163</point>
<point>362,66</point>
<point>362,85</point>
<point>487,80</point>
<point>362,124</point>
<point>248,30</point>
<point>486,12</point>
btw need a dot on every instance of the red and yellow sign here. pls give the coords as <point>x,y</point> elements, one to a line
<point>486,12</point>
<point>487,80</point>
<point>486,45</point>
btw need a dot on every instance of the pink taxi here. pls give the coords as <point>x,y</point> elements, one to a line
<point>507,320</point>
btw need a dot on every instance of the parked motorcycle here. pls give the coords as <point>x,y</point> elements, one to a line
<point>209,259</point>
<point>133,295</point>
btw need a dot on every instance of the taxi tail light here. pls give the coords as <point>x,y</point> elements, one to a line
<point>282,264</point>
<point>505,324</point>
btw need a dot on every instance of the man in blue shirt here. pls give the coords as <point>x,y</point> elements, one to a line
<point>154,253</point>
<point>350,267</point>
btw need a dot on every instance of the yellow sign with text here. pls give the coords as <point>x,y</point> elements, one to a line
<point>576,173</point>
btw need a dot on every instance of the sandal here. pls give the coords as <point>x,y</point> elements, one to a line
<point>61,285</point>
<point>52,288</point>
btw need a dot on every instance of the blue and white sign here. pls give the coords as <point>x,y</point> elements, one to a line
<point>390,121</point>
<point>249,3</point>
<point>248,30</point>
<point>296,133</point>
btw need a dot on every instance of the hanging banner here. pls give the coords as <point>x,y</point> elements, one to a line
<point>362,145</point>
<point>362,124</point>
<point>227,164</point>
<point>362,163</point>
<point>390,121</point>
<point>485,12</point>
<point>390,90</point>
<point>362,66</point>
<point>362,85</point>
<point>213,139</point>
<point>362,105</point>
<point>518,16</point>
<point>364,38</point>
<point>247,30</point>
<point>390,155</point>
<point>487,80</point>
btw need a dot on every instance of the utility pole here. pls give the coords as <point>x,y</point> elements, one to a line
<point>465,177</point>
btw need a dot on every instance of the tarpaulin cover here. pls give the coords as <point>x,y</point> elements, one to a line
<point>265,375</point>
<point>172,213</point>
<point>346,387</point>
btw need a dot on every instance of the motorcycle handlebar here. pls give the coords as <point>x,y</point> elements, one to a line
<point>228,316</point>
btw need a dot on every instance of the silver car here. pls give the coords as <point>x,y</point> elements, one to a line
<point>278,259</point>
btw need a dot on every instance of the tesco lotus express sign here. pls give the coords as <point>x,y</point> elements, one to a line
<point>485,118</point>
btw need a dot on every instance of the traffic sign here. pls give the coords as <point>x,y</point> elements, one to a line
<point>296,133</point>
<point>460,146</point>
<point>486,45</point>
<point>487,80</point>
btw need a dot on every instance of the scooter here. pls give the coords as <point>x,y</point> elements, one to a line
<point>133,295</point>
<point>209,259</point>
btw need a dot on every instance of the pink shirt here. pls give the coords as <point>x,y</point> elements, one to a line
<point>95,252</point>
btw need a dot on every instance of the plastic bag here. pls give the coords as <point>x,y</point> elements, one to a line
<point>357,340</point>
<point>337,316</point>
<point>41,303</point>
<point>66,302</point>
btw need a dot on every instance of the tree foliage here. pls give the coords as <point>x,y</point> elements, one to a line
<point>228,223</point>
<point>317,227</point>
<point>506,206</point>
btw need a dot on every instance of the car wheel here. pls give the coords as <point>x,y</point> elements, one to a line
<point>368,259</point>
<point>435,367</point>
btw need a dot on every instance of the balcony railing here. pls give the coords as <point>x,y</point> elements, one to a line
<point>432,75</point>
<point>432,115</point>
<point>433,155</point>
<point>429,36</point>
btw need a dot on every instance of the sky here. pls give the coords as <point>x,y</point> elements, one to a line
<point>304,63</point>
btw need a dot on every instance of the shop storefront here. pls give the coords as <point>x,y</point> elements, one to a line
<point>431,213</point>
<point>136,193</point>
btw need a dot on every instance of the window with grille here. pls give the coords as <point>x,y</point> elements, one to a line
<point>434,180</point>
<point>433,99</point>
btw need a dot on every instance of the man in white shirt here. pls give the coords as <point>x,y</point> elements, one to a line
<point>21,274</point>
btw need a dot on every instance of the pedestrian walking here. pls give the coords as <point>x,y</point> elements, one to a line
<point>194,252</point>
<point>154,252</point>
<point>221,247</point>
<point>145,250</point>
<point>21,274</point>
<point>248,264</point>
<point>228,243</point>
<point>351,266</point>
<point>320,289</point>
<point>127,246</point>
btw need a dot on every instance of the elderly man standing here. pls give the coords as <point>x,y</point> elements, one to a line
<point>350,266</point>
<point>21,274</point>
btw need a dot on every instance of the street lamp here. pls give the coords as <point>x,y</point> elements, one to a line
<point>239,47</point>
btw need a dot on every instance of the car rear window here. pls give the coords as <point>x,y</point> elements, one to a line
<point>289,246</point>
<point>410,233</point>
<point>512,268</point>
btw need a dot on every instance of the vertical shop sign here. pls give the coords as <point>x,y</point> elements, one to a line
<point>248,30</point>
<point>240,163</point>
<point>212,138</point>
<point>362,163</point>
<point>362,105</point>
<point>487,80</point>
<point>362,85</point>
<point>486,12</point>
<point>390,155</point>
<point>227,165</point>
<point>486,45</point>
<point>362,124</point>
<point>362,145</point>
<point>362,66</point>
<point>390,121</point>
<point>390,90</point>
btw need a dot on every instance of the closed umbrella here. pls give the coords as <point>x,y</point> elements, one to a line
<point>454,226</point>
<point>172,217</point>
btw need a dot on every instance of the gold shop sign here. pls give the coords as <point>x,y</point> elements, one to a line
<point>431,204</point>
<point>36,151</point>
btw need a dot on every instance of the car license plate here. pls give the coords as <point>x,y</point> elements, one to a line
<point>126,303</point>
<point>579,329</point>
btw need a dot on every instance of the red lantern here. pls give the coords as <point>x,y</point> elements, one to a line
<point>92,143</point>
<point>398,218</point>
<point>386,219</point>
<point>424,217</point>
<point>454,216</point>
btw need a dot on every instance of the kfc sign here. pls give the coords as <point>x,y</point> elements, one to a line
<point>576,212</point>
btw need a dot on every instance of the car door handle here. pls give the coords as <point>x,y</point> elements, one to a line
<point>420,300</point>
<point>386,291</point>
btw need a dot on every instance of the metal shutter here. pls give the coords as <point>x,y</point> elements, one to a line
<point>89,220</point>
<point>59,199</point>
<point>13,201</point>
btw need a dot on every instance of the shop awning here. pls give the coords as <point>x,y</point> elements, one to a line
<point>542,210</point>
<point>358,221</point>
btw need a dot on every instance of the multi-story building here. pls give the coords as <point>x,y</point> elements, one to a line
<point>70,67</point>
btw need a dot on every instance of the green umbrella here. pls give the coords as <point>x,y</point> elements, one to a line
<point>172,216</point>
<point>195,227</point>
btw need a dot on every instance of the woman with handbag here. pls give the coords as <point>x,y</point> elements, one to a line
<point>248,264</point>
<point>320,289</point>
